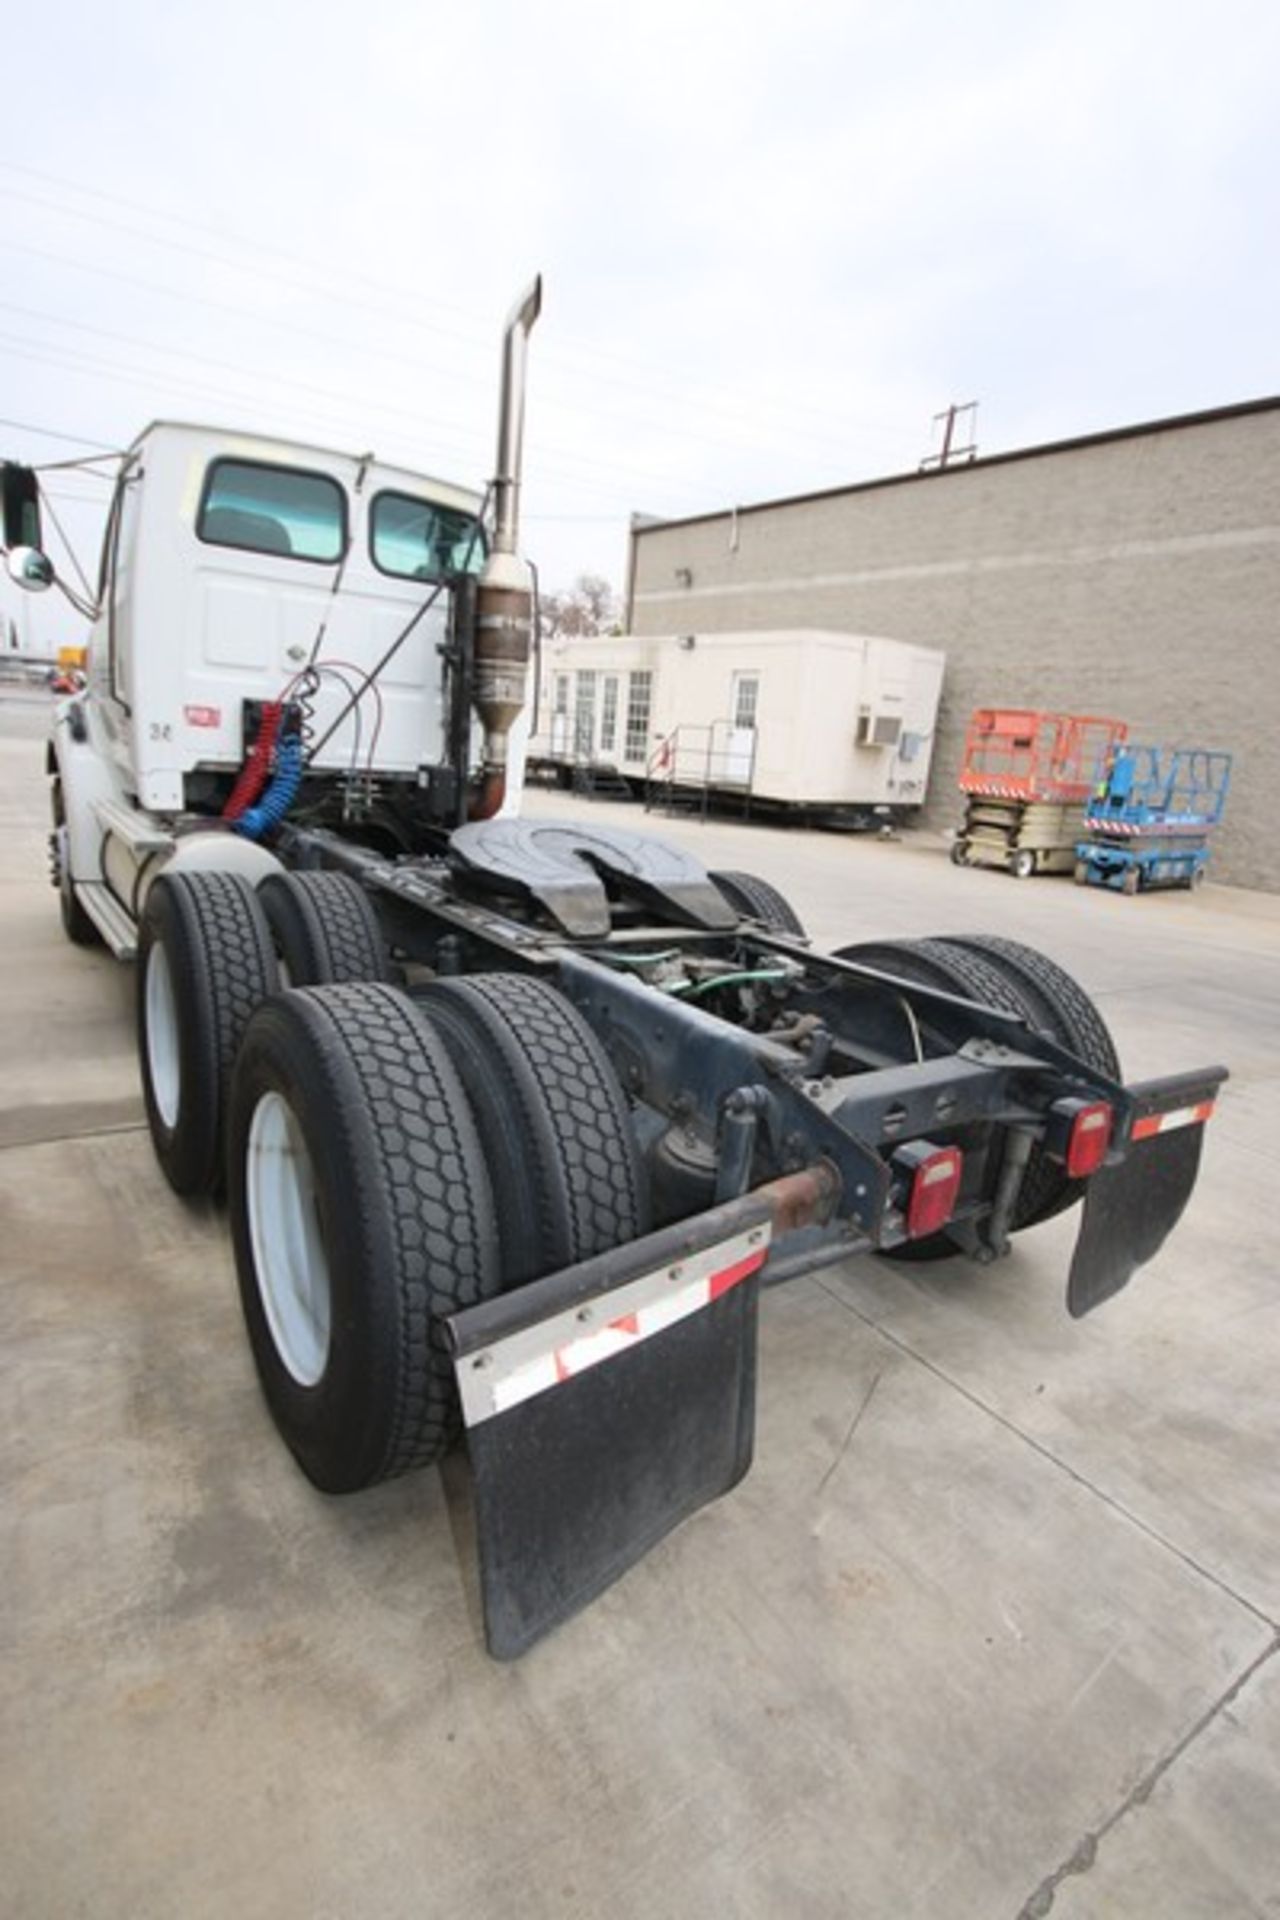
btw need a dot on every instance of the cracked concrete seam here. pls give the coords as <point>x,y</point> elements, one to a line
<point>847,1442</point>
<point>1082,1857</point>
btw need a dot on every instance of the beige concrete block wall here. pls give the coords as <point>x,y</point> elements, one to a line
<point>1137,575</point>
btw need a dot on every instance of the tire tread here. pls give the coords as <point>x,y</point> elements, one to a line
<point>586,1188</point>
<point>758,899</point>
<point>331,918</point>
<point>439,1196</point>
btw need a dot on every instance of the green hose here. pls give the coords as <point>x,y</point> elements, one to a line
<point>692,988</point>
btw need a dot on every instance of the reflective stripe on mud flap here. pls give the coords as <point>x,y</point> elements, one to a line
<point>603,1406</point>
<point>540,1358</point>
<point>1150,1123</point>
<point>1132,1206</point>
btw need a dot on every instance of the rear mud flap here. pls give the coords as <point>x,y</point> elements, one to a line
<point>1131,1208</point>
<point>603,1406</point>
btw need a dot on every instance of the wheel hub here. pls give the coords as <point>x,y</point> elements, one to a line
<point>163,1064</point>
<point>290,1263</point>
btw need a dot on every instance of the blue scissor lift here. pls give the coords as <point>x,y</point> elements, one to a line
<point>1150,821</point>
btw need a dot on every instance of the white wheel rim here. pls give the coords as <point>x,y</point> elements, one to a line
<point>289,1260</point>
<point>163,1067</point>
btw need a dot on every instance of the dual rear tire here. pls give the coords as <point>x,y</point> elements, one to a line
<point>387,1161</point>
<point>1016,979</point>
<point>391,1162</point>
<point>362,1211</point>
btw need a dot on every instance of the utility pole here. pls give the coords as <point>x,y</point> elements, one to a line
<point>950,452</point>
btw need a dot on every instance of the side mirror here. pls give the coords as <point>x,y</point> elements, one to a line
<point>19,506</point>
<point>30,568</point>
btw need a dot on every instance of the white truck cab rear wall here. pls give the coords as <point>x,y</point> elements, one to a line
<point>196,627</point>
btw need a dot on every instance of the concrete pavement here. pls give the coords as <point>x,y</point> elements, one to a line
<point>990,1630</point>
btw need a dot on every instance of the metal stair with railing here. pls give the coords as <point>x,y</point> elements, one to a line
<point>694,763</point>
<point>600,780</point>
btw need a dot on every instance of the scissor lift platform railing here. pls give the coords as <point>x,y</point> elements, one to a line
<point>1150,824</point>
<point>1026,776</point>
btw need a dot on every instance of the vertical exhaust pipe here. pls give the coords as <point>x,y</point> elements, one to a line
<point>504,596</point>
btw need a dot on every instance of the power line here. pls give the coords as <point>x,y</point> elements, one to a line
<point>20,348</point>
<point>732,408</point>
<point>278,380</point>
<point>49,433</point>
<point>363,347</point>
<point>352,419</point>
<point>327,339</point>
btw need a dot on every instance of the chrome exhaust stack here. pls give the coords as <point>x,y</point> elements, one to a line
<point>504,595</point>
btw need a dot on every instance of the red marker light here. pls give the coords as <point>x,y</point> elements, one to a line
<point>1089,1139</point>
<point>935,1187</point>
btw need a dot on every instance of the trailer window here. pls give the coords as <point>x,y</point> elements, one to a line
<point>609,714</point>
<point>639,696</point>
<point>266,509</point>
<point>746,695</point>
<point>584,717</point>
<point>421,540</point>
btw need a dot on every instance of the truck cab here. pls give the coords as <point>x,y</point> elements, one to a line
<point>226,555</point>
<point>237,571</point>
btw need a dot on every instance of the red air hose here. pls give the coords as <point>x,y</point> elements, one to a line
<point>255,771</point>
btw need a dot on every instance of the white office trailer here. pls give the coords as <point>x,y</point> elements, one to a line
<point>803,718</point>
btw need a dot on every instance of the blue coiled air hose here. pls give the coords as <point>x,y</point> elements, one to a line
<point>280,794</point>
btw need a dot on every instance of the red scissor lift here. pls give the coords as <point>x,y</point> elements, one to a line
<point>1026,777</point>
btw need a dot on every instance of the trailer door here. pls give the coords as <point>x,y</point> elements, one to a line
<point>740,744</point>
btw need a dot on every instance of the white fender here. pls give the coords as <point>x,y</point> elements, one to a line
<point>218,853</point>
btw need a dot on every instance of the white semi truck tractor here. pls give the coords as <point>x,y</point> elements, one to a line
<point>513,1119</point>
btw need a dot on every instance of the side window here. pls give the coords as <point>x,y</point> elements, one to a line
<point>421,540</point>
<point>609,715</point>
<point>264,509</point>
<point>584,719</point>
<point>639,695</point>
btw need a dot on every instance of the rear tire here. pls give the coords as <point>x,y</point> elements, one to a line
<point>1057,1003</point>
<point>1061,1002</point>
<point>1132,881</point>
<point>755,899</point>
<point>934,963</point>
<point>1023,864</point>
<point>552,1117</point>
<point>382,1221</point>
<point>324,928</point>
<point>204,963</point>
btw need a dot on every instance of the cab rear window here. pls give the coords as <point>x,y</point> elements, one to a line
<point>269,509</point>
<point>422,540</point>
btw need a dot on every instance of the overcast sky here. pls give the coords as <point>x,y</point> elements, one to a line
<point>775,241</point>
